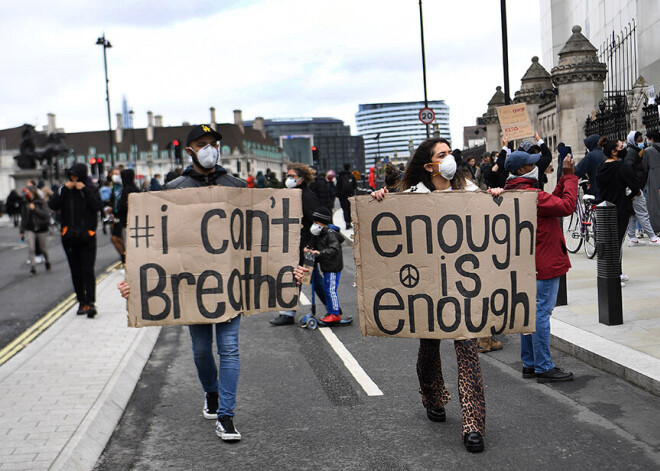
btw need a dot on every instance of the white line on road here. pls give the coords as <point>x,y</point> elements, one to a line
<point>349,360</point>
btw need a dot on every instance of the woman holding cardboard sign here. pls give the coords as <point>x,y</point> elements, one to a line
<point>433,168</point>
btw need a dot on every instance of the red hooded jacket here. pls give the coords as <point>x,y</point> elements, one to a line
<point>551,254</point>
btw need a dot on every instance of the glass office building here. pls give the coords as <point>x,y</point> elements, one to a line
<point>391,130</point>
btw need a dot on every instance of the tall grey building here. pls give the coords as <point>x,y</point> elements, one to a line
<point>391,130</point>
<point>325,143</point>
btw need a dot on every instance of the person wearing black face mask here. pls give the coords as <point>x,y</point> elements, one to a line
<point>202,145</point>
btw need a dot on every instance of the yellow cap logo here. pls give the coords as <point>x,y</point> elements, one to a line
<point>206,128</point>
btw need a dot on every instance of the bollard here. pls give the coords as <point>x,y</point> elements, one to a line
<point>562,293</point>
<point>610,307</point>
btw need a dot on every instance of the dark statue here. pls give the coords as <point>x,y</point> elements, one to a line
<point>53,146</point>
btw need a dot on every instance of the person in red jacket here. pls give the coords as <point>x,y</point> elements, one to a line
<point>551,258</point>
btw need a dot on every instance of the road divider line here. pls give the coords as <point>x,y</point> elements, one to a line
<point>32,332</point>
<point>351,363</point>
<point>349,360</point>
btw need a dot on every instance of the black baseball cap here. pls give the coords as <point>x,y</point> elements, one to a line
<point>200,130</point>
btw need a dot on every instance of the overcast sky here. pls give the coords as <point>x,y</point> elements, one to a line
<point>270,58</point>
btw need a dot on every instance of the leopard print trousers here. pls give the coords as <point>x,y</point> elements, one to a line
<point>470,383</point>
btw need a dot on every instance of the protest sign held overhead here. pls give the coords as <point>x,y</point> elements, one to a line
<point>515,122</point>
<point>205,255</point>
<point>445,264</point>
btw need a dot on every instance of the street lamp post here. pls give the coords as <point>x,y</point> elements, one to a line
<point>106,44</point>
<point>378,152</point>
<point>421,29</point>
<point>131,114</point>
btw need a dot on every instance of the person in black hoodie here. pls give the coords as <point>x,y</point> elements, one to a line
<point>321,186</point>
<point>219,384</point>
<point>617,184</point>
<point>78,202</point>
<point>590,164</point>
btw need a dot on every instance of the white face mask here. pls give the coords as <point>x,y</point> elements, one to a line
<point>116,179</point>
<point>446,168</point>
<point>207,156</point>
<point>291,182</point>
<point>315,229</point>
<point>533,175</point>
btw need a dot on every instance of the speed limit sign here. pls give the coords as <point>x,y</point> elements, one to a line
<point>426,115</point>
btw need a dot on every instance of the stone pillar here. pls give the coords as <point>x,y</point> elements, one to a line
<point>119,132</point>
<point>238,120</point>
<point>150,126</point>
<point>579,78</point>
<point>535,83</point>
<point>493,129</point>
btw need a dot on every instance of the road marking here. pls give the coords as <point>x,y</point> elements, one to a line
<point>32,332</point>
<point>349,360</point>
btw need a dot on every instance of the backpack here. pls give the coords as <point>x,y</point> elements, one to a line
<point>346,186</point>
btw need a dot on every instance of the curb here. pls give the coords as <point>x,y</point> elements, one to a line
<point>92,435</point>
<point>633,366</point>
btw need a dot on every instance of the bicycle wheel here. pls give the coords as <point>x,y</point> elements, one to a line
<point>590,234</point>
<point>572,232</point>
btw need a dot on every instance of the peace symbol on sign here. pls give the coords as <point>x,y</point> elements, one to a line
<point>409,276</point>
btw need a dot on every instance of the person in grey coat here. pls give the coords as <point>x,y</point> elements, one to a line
<point>651,162</point>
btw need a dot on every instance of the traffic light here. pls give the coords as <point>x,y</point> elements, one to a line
<point>315,155</point>
<point>177,150</point>
<point>99,166</point>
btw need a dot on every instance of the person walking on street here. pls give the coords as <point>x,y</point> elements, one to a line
<point>346,187</point>
<point>13,205</point>
<point>321,187</point>
<point>633,159</point>
<point>34,224</point>
<point>78,202</point>
<point>651,162</point>
<point>128,187</point>
<point>433,168</point>
<point>299,176</point>
<point>219,384</point>
<point>551,258</point>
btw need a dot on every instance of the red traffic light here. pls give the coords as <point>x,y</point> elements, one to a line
<point>92,161</point>
<point>175,142</point>
<point>313,148</point>
<point>99,160</point>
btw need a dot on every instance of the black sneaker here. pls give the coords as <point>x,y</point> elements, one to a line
<point>555,375</point>
<point>82,310</point>
<point>48,266</point>
<point>91,311</point>
<point>224,428</point>
<point>211,406</point>
<point>283,320</point>
<point>33,271</point>
<point>528,373</point>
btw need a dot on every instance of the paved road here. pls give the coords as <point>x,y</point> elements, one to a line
<point>300,408</point>
<point>25,298</point>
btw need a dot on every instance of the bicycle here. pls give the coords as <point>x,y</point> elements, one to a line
<point>580,227</point>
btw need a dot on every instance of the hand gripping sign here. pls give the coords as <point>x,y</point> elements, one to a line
<point>206,255</point>
<point>445,265</point>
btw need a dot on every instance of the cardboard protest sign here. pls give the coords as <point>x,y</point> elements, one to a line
<point>206,255</point>
<point>514,121</point>
<point>445,264</point>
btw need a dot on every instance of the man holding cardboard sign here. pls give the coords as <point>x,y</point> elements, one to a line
<point>202,145</point>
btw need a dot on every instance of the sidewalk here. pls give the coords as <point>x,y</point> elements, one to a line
<point>63,395</point>
<point>631,350</point>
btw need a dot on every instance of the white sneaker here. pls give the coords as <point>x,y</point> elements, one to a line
<point>624,277</point>
<point>635,243</point>
<point>655,241</point>
<point>623,284</point>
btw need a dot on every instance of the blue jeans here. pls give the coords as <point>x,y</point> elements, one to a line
<point>227,339</point>
<point>535,348</point>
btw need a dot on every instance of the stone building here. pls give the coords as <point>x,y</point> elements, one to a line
<point>570,101</point>
<point>150,150</point>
